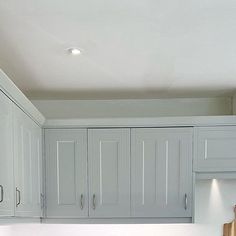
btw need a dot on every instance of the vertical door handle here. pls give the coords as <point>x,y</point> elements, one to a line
<point>94,201</point>
<point>42,201</point>
<point>185,201</point>
<point>2,194</point>
<point>81,201</point>
<point>17,195</point>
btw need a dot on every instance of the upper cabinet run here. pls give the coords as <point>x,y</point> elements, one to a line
<point>6,157</point>
<point>215,149</point>
<point>155,181</point>
<point>161,163</point>
<point>109,172</point>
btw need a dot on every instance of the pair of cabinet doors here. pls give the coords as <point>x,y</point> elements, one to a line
<point>20,162</point>
<point>106,173</point>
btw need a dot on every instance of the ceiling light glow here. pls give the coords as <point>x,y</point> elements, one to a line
<point>74,51</point>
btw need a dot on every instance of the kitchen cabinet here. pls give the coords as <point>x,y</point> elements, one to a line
<point>66,173</point>
<point>215,149</point>
<point>27,165</point>
<point>109,172</point>
<point>6,157</point>
<point>161,163</point>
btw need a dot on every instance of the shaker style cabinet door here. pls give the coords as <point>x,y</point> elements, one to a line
<point>6,157</point>
<point>161,163</point>
<point>109,172</point>
<point>215,149</point>
<point>27,165</point>
<point>66,173</point>
<point>36,165</point>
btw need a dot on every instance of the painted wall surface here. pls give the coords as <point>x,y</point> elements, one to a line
<point>62,109</point>
<point>214,201</point>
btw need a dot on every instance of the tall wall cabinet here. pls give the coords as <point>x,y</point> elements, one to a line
<point>20,162</point>
<point>27,165</point>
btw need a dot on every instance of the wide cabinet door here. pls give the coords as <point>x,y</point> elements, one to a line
<point>161,162</point>
<point>109,172</point>
<point>27,165</point>
<point>66,173</point>
<point>6,157</point>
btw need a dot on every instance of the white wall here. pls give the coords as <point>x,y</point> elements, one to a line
<point>134,108</point>
<point>214,201</point>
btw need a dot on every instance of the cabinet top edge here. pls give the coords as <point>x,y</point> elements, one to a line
<point>181,121</point>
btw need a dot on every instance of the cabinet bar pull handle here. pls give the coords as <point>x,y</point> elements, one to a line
<point>2,193</point>
<point>42,201</point>
<point>186,201</point>
<point>17,202</point>
<point>94,201</point>
<point>81,201</point>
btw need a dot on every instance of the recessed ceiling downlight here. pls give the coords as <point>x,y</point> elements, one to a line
<point>74,51</point>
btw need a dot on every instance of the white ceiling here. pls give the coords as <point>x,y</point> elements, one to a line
<point>130,48</point>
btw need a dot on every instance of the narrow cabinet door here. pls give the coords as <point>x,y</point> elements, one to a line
<point>66,173</point>
<point>6,157</point>
<point>36,165</point>
<point>27,155</point>
<point>161,172</point>
<point>109,172</point>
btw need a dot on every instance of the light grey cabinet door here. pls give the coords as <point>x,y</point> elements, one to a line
<point>6,157</point>
<point>66,173</point>
<point>36,165</point>
<point>109,172</point>
<point>27,165</point>
<point>215,149</point>
<point>161,162</point>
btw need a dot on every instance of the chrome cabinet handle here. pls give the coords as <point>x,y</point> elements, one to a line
<point>81,201</point>
<point>94,201</point>
<point>42,201</point>
<point>17,202</point>
<point>2,193</point>
<point>185,201</point>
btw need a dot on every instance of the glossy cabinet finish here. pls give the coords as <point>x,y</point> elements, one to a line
<point>27,165</point>
<point>66,173</point>
<point>6,157</point>
<point>161,164</point>
<point>215,149</point>
<point>109,172</point>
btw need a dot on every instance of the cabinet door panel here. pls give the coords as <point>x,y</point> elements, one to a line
<point>27,165</point>
<point>66,173</point>
<point>6,157</point>
<point>215,149</point>
<point>36,166</point>
<point>161,172</point>
<point>109,172</point>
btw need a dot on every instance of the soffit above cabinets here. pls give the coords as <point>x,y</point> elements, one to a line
<point>131,49</point>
